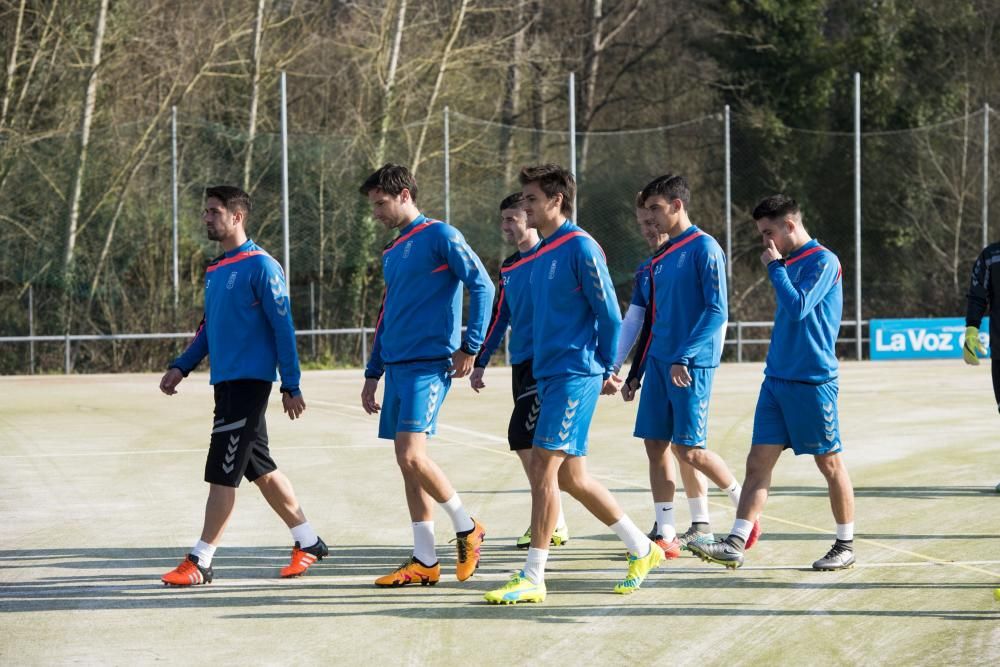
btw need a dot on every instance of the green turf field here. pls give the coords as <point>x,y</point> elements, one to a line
<point>101,492</point>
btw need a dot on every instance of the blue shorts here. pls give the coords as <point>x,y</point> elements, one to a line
<point>413,396</point>
<point>568,403</point>
<point>677,414</point>
<point>799,415</point>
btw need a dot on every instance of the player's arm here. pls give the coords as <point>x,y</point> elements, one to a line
<point>977,303</point>
<point>595,284</point>
<point>799,300</point>
<point>712,276</point>
<point>469,269</point>
<point>635,372</point>
<point>271,290</point>
<point>497,327</point>
<point>632,322</point>
<point>375,366</point>
<point>186,362</point>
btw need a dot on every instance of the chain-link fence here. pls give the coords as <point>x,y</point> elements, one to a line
<point>922,203</point>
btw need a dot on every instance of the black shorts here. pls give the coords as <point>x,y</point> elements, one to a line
<point>239,433</point>
<point>521,430</point>
<point>995,368</point>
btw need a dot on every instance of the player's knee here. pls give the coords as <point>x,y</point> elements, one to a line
<point>830,465</point>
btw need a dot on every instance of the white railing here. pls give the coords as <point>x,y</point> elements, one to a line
<point>736,334</point>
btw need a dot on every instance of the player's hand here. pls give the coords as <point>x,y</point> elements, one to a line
<point>973,347</point>
<point>461,364</point>
<point>770,253</point>
<point>629,389</point>
<point>170,380</point>
<point>611,386</point>
<point>679,375</point>
<point>368,396</point>
<point>476,379</point>
<point>293,407</point>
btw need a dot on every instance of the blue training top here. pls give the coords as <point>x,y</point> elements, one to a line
<point>810,297</point>
<point>420,317</point>
<point>640,285</point>
<point>686,323</point>
<point>247,329</point>
<point>513,307</point>
<point>576,318</point>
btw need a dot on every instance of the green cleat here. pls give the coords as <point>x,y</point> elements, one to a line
<point>638,568</point>
<point>518,589</point>
<point>560,536</point>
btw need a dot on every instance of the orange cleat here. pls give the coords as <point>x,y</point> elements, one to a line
<point>303,559</point>
<point>411,572</point>
<point>468,547</point>
<point>671,549</point>
<point>188,573</point>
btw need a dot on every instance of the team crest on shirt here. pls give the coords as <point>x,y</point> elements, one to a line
<point>407,248</point>
<point>231,281</point>
<point>682,259</point>
<point>552,269</point>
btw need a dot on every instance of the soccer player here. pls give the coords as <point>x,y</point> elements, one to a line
<point>984,291</point>
<point>576,322</point>
<point>797,406</point>
<point>661,459</point>
<point>418,346</point>
<point>247,331</point>
<point>513,306</point>
<point>681,345</point>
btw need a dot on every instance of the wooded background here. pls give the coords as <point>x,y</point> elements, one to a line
<point>85,141</point>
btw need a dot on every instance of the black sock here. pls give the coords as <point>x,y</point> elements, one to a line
<point>701,527</point>
<point>423,563</point>
<point>737,542</point>
<point>465,533</point>
<point>846,545</point>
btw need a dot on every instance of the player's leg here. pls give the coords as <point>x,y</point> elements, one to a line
<point>841,554</point>
<point>696,490</point>
<point>654,423</point>
<point>663,484</point>
<point>520,435</point>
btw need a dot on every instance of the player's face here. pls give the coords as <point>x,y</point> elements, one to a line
<point>778,231</point>
<point>666,214</point>
<point>647,227</point>
<point>539,207</point>
<point>388,209</point>
<point>220,223</point>
<point>513,224</point>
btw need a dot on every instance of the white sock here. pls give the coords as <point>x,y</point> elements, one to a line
<point>742,527</point>
<point>459,517</point>
<point>665,520</point>
<point>204,551</point>
<point>734,493</point>
<point>534,567</point>
<point>635,540</point>
<point>304,535</point>
<point>699,509</point>
<point>423,542</point>
<point>561,521</point>
<point>845,531</point>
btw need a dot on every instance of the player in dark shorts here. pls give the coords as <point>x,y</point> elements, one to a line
<point>247,329</point>
<point>513,307</point>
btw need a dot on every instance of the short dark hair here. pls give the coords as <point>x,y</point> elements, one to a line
<point>776,207</point>
<point>391,179</point>
<point>553,180</point>
<point>512,200</point>
<point>232,198</point>
<point>668,186</point>
<point>640,201</point>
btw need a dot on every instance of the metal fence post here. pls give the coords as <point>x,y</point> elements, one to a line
<point>729,202</point>
<point>173,194</point>
<point>66,354</point>
<point>447,167</point>
<point>857,212</point>
<point>572,142</point>
<point>739,341</point>
<point>364,347</point>
<point>284,176</point>
<point>31,330</point>
<point>312,316</point>
<point>986,174</point>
